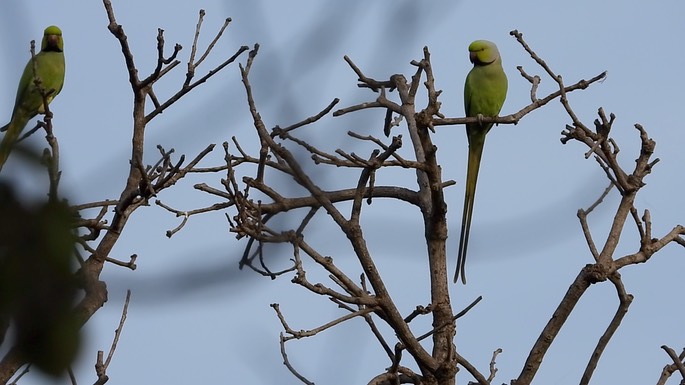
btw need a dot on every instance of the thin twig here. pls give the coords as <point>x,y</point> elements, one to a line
<point>625,300</point>
<point>100,366</point>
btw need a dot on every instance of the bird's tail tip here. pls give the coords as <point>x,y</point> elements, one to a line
<point>457,274</point>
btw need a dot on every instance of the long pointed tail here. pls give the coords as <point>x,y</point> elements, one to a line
<point>13,129</point>
<point>475,153</point>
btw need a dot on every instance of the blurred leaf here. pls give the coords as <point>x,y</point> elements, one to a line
<point>37,284</point>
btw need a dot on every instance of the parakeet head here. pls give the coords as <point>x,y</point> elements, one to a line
<point>52,39</point>
<point>483,52</point>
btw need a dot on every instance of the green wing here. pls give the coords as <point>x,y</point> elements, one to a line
<point>50,69</point>
<point>484,93</point>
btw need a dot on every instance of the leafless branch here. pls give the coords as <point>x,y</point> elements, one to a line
<point>472,370</point>
<point>257,201</point>
<point>288,365</point>
<point>493,365</point>
<point>100,366</point>
<point>625,300</point>
<point>142,182</point>
<point>677,364</point>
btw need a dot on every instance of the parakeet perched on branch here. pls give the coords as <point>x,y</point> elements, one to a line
<point>484,94</point>
<point>49,65</point>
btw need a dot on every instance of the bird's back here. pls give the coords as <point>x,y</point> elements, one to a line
<point>50,68</point>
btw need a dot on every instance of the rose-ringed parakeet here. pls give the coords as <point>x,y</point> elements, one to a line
<point>49,65</point>
<point>484,94</point>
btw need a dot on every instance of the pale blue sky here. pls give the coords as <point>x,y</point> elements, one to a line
<point>195,318</point>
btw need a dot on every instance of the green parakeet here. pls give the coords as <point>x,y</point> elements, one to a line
<point>29,102</point>
<point>484,94</point>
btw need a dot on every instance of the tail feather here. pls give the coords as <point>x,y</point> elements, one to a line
<point>12,131</point>
<point>475,153</point>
